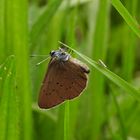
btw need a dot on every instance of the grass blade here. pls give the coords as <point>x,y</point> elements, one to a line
<point>66,121</point>
<point>19,42</point>
<point>43,20</point>
<point>110,75</point>
<point>2,28</point>
<point>9,117</point>
<point>99,38</point>
<point>119,114</point>
<point>132,23</point>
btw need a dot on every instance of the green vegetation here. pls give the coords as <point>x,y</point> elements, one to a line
<point>108,30</point>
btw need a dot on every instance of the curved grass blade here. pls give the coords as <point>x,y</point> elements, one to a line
<point>110,75</point>
<point>43,20</point>
<point>132,23</point>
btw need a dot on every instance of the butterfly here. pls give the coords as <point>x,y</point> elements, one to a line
<point>65,79</point>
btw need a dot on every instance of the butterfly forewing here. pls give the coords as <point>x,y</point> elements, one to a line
<point>63,81</point>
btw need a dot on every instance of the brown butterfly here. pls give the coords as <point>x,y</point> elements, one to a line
<point>65,79</point>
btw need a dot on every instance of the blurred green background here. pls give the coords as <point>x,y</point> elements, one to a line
<point>109,108</point>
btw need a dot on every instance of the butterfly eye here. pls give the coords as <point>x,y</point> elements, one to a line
<point>63,53</point>
<point>52,53</point>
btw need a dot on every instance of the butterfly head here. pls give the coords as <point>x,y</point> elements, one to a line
<point>60,55</point>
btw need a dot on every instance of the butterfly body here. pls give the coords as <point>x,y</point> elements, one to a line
<point>65,79</point>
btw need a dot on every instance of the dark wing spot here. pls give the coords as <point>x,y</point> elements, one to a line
<point>57,83</point>
<point>48,93</point>
<point>61,97</point>
<point>61,85</point>
<point>84,69</point>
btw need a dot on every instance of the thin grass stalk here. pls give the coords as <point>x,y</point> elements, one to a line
<point>66,122</point>
<point>2,29</point>
<point>8,102</point>
<point>43,20</point>
<point>59,132</point>
<point>121,120</point>
<point>132,23</point>
<point>19,38</point>
<point>71,38</point>
<point>130,89</point>
<point>129,46</point>
<point>99,52</point>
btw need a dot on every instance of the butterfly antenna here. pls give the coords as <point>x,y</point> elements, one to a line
<point>69,50</point>
<point>63,44</point>
<point>42,61</point>
<point>34,55</point>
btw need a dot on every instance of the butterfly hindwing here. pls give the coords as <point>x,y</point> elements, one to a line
<point>63,81</point>
<point>75,78</point>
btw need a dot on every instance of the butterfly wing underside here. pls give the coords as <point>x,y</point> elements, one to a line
<point>63,81</point>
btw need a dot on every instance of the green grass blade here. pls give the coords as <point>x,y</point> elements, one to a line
<point>128,58</point>
<point>71,22</point>
<point>126,16</point>
<point>119,114</point>
<point>2,29</point>
<point>19,42</point>
<point>129,46</point>
<point>9,117</point>
<point>99,38</point>
<point>112,76</point>
<point>59,133</point>
<point>43,20</point>
<point>66,121</point>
